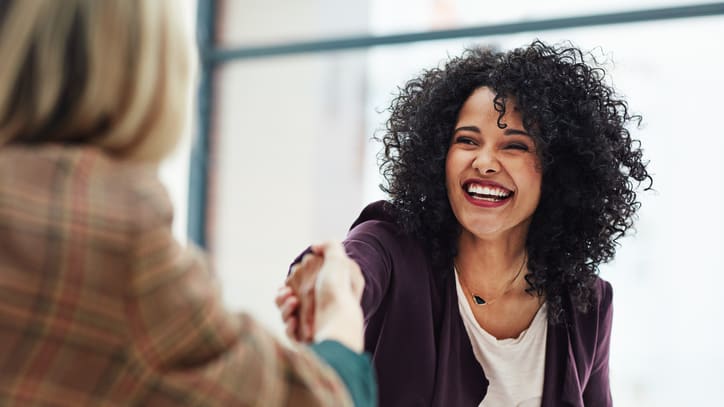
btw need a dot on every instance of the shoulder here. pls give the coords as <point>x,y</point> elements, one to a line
<point>377,219</point>
<point>377,225</point>
<point>379,245</point>
<point>602,294</point>
<point>150,202</point>
<point>86,183</point>
<point>130,191</point>
<point>598,317</point>
<point>379,211</point>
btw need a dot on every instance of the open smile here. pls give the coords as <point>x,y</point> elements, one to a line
<point>486,194</point>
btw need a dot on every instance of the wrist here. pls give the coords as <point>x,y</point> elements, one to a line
<point>353,341</point>
<point>344,325</point>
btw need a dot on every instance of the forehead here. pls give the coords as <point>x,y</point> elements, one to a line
<point>480,107</point>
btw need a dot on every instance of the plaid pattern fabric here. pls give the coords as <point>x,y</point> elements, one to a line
<point>100,306</point>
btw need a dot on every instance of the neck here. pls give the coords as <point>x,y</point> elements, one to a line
<point>490,263</point>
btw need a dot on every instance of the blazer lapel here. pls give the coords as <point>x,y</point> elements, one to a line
<point>561,386</point>
<point>460,380</point>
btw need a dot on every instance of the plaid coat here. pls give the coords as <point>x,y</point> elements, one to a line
<point>100,306</point>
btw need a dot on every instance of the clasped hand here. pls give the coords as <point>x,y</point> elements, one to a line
<point>321,298</point>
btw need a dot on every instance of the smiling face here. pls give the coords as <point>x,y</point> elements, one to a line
<point>493,175</point>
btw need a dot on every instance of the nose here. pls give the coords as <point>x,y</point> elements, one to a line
<point>486,162</point>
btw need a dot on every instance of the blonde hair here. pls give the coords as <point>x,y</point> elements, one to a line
<point>112,73</point>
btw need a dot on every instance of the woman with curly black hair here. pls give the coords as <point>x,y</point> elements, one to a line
<point>511,176</point>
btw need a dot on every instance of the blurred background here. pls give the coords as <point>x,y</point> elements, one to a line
<point>290,92</point>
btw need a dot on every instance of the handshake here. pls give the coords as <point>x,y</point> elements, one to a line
<point>321,298</point>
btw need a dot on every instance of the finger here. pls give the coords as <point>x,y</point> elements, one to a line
<point>306,259</point>
<point>309,331</point>
<point>306,318</point>
<point>313,262</point>
<point>282,294</point>
<point>289,307</point>
<point>316,263</point>
<point>291,329</point>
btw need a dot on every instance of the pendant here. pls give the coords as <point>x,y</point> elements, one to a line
<point>478,300</point>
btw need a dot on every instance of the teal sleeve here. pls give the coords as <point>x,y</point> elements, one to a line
<point>353,368</point>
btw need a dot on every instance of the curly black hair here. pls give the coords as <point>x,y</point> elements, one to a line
<point>591,166</point>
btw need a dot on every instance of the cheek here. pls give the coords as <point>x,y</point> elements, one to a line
<point>535,181</point>
<point>530,179</point>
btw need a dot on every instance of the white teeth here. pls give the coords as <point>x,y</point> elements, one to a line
<point>487,190</point>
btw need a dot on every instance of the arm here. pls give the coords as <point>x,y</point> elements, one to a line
<point>598,390</point>
<point>369,245</point>
<point>193,351</point>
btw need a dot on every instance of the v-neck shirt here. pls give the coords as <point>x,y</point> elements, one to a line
<point>514,367</point>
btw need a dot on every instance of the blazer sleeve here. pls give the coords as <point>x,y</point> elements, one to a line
<point>371,244</point>
<point>192,351</point>
<point>598,389</point>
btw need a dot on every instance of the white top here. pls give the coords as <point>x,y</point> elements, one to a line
<point>514,367</point>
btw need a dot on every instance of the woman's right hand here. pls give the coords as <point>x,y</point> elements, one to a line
<point>288,304</point>
<point>296,298</point>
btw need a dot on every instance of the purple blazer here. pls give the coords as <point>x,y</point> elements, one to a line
<point>421,351</point>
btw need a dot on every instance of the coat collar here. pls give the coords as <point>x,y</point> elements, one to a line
<point>463,378</point>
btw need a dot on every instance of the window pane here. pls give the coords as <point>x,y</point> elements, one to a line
<point>289,161</point>
<point>259,22</point>
<point>389,17</point>
<point>265,22</point>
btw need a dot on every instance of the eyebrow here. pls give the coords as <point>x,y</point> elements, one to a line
<point>508,131</point>
<point>474,129</point>
<point>515,132</point>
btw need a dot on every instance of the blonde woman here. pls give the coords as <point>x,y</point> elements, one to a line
<point>99,305</point>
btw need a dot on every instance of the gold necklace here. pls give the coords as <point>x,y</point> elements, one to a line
<point>478,299</point>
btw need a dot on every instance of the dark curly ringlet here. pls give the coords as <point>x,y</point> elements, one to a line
<point>591,165</point>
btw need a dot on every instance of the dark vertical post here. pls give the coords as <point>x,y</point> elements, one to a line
<point>199,161</point>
